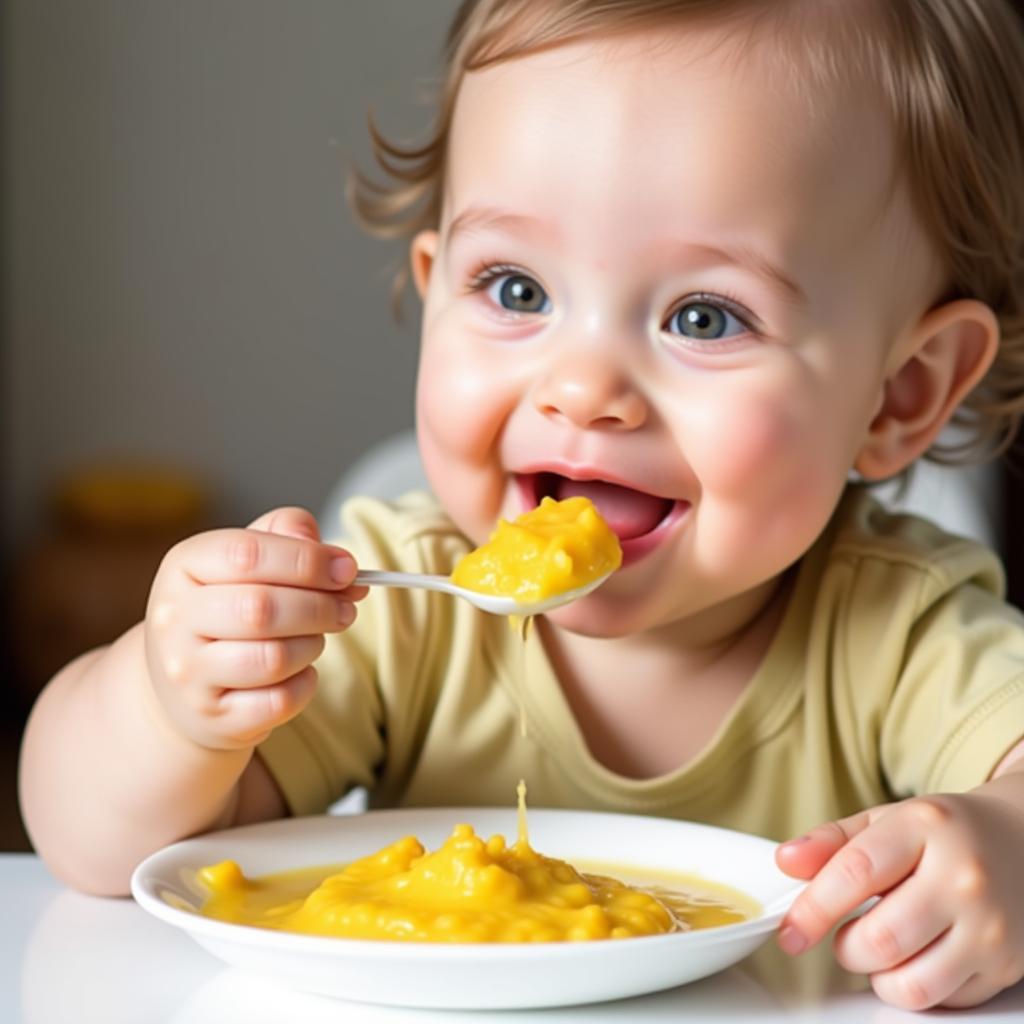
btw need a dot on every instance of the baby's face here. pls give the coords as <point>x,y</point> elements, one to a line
<point>667,278</point>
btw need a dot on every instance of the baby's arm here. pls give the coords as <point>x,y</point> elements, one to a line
<point>150,740</point>
<point>949,928</point>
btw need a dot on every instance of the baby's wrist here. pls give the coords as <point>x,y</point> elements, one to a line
<point>1007,790</point>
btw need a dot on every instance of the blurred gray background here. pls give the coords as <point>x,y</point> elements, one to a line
<point>182,277</point>
<point>182,281</point>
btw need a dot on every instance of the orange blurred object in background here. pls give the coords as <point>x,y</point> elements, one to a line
<point>86,579</point>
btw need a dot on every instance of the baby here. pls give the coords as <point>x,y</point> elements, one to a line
<point>716,265</point>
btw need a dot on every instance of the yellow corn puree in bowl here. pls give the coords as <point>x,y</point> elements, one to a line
<point>555,547</point>
<point>468,890</point>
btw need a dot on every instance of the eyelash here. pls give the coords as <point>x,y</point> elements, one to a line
<point>724,301</point>
<point>487,271</point>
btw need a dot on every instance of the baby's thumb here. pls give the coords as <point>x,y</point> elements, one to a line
<point>806,856</point>
<point>288,522</point>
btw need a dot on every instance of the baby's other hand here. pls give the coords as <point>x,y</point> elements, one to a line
<point>236,618</point>
<point>949,927</point>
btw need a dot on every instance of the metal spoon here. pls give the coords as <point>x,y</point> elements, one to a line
<point>492,603</point>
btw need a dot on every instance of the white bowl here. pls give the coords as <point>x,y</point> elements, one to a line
<point>468,976</point>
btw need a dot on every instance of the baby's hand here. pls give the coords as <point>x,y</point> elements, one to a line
<point>235,620</point>
<point>949,928</point>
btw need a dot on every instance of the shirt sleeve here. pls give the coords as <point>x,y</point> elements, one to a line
<point>958,705</point>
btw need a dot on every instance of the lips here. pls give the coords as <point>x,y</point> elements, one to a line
<point>631,513</point>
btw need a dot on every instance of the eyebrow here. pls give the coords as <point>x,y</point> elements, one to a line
<point>492,218</point>
<point>754,261</point>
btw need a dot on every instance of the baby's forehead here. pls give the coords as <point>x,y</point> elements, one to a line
<point>705,90</point>
<point>820,66</point>
<point>702,135</point>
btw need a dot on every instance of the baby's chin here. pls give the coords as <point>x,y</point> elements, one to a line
<point>594,618</point>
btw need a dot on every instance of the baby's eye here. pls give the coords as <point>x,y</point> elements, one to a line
<point>514,291</point>
<point>705,320</point>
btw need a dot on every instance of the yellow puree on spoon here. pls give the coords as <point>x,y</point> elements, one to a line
<point>555,547</point>
<point>558,546</point>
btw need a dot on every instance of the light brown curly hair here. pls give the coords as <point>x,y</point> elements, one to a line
<point>951,73</point>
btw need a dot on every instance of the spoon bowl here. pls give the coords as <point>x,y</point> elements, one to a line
<point>494,603</point>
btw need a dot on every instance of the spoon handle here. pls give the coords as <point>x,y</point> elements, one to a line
<point>415,580</point>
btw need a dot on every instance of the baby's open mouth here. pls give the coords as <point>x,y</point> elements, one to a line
<point>629,513</point>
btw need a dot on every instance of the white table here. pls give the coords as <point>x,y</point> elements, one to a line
<point>78,959</point>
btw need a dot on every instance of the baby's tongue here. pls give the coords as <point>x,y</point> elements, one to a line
<point>629,513</point>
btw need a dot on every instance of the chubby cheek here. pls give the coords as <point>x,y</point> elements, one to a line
<point>462,404</point>
<point>769,479</point>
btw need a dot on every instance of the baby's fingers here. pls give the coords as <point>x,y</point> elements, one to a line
<point>871,863</point>
<point>290,521</point>
<point>236,664</point>
<point>251,556</point>
<point>248,716</point>
<point>900,925</point>
<point>255,612</point>
<point>935,975</point>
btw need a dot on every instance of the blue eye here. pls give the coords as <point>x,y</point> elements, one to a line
<point>518,293</point>
<point>705,321</point>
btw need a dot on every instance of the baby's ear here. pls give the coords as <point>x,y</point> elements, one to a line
<point>422,251</point>
<point>945,356</point>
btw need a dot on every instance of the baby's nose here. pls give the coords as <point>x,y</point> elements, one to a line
<point>591,391</point>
